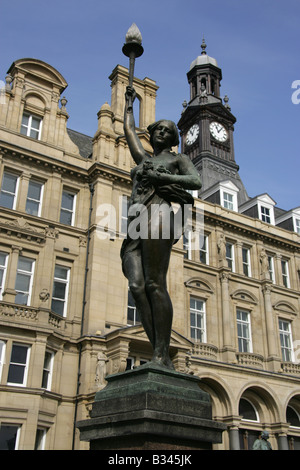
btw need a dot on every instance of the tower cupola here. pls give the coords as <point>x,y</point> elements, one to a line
<point>204,77</point>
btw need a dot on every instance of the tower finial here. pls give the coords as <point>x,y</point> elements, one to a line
<point>203,47</point>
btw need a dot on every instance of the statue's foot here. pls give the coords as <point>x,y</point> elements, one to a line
<point>163,361</point>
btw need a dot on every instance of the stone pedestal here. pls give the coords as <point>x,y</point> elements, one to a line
<point>151,408</point>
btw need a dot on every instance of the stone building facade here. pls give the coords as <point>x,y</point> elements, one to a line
<point>66,316</point>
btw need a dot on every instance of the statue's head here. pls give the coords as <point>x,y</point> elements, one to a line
<point>172,127</point>
<point>265,435</point>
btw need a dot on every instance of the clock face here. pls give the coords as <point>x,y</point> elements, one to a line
<point>218,131</point>
<point>192,134</point>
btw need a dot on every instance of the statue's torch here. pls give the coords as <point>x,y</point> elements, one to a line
<point>132,48</point>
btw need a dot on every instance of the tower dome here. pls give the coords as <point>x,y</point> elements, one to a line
<point>203,59</point>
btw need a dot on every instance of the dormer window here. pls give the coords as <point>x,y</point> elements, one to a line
<point>228,195</point>
<point>266,209</point>
<point>290,220</point>
<point>224,193</point>
<point>260,207</point>
<point>31,126</point>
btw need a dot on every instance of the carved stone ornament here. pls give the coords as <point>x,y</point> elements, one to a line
<point>21,223</point>
<point>44,295</point>
<point>82,241</point>
<point>20,228</point>
<point>51,232</point>
<point>224,277</point>
<point>221,247</point>
<point>101,370</point>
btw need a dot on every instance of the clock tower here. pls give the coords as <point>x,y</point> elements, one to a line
<point>207,125</point>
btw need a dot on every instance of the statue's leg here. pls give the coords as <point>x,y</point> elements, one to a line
<point>133,270</point>
<point>156,256</point>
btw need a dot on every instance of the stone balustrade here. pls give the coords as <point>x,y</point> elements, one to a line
<point>41,317</point>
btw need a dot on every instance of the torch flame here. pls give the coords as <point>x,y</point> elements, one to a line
<point>133,34</point>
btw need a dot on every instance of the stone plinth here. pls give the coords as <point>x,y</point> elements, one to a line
<point>151,408</point>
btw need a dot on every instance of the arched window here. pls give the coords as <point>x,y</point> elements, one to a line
<point>213,86</point>
<point>203,82</point>
<point>33,114</point>
<point>292,417</point>
<point>194,88</point>
<point>247,410</point>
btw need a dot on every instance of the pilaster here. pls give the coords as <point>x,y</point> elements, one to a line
<point>10,293</point>
<point>228,348</point>
<point>273,359</point>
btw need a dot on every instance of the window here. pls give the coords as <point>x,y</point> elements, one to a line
<point>9,189</point>
<point>18,367</point>
<point>3,266</point>
<point>230,256</point>
<point>47,370</point>
<point>228,195</point>
<point>132,313</point>
<point>67,211</point>
<point>60,290</point>
<point>186,241</point>
<point>292,417</point>
<point>265,214</point>
<point>34,198</point>
<point>130,361</point>
<point>2,355</point>
<point>271,268</point>
<point>198,320</point>
<point>244,331</point>
<point>228,201</point>
<point>246,261</point>
<point>247,410</point>
<point>193,192</point>
<point>286,342</point>
<point>285,273</point>
<point>40,439</point>
<point>9,437</point>
<point>124,214</point>
<point>24,280</point>
<point>204,249</point>
<point>297,225</point>
<point>31,126</point>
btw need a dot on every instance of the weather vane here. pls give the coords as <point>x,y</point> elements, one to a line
<point>132,48</point>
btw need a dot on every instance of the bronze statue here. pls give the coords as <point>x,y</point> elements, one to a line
<point>158,180</point>
<point>262,442</point>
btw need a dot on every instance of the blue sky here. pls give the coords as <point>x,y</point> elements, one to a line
<point>255,42</point>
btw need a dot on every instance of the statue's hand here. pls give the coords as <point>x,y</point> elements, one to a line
<point>130,94</point>
<point>146,177</point>
<point>153,177</point>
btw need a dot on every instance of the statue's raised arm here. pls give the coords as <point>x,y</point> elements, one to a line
<point>136,149</point>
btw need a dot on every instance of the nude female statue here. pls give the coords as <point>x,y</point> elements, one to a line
<point>159,179</point>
